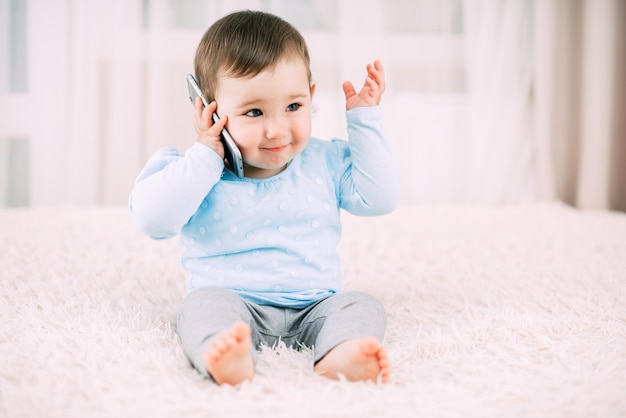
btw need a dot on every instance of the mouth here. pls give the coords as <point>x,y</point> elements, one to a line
<point>276,149</point>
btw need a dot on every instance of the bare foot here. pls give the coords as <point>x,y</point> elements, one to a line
<point>228,359</point>
<point>358,359</point>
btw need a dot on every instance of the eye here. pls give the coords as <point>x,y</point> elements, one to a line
<point>254,113</point>
<point>293,107</point>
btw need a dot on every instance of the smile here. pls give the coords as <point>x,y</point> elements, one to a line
<point>276,149</point>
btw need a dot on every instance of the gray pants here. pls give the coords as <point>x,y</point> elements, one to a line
<point>321,326</point>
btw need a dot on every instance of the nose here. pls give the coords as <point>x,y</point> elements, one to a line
<point>276,127</point>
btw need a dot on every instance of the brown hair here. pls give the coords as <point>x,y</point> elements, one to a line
<point>242,44</point>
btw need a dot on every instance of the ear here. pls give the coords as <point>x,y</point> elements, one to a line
<point>312,91</point>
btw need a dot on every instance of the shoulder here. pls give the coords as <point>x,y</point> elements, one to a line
<point>327,148</point>
<point>158,161</point>
<point>330,153</point>
<point>328,156</point>
<point>198,155</point>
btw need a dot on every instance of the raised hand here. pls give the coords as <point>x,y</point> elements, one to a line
<point>372,89</point>
<point>209,131</point>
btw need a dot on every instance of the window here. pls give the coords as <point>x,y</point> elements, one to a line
<point>14,148</point>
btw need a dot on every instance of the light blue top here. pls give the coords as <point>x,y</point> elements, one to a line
<point>273,241</point>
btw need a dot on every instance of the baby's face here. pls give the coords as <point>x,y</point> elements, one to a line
<point>269,115</point>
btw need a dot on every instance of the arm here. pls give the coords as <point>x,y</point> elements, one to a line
<point>171,187</point>
<point>369,184</point>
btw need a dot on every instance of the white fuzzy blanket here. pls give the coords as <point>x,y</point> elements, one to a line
<point>493,312</point>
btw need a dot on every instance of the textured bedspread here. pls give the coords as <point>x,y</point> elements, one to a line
<point>492,312</point>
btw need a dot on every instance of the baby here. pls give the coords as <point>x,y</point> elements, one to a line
<point>261,251</point>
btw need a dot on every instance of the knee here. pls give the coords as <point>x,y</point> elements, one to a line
<point>363,314</point>
<point>364,301</point>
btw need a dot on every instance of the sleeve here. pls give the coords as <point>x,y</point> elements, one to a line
<point>171,187</point>
<point>368,185</point>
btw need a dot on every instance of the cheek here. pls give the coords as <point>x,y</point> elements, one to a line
<point>242,135</point>
<point>302,129</point>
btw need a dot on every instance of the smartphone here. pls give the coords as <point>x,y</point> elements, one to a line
<point>231,152</point>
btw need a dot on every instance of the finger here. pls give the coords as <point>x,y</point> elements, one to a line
<point>348,89</point>
<point>203,114</point>
<point>369,87</point>
<point>199,110</point>
<point>379,66</point>
<point>210,134</point>
<point>372,90</point>
<point>218,126</point>
<point>207,113</point>
<point>377,73</point>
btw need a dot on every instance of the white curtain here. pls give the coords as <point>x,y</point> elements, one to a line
<point>499,150</point>
<point>580,91</point>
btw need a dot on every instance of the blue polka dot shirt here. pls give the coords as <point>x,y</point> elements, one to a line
<point>273,241</point>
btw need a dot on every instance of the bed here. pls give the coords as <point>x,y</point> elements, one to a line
<point>492,311</point>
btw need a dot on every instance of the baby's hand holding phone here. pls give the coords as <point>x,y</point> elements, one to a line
<point>208,125</point>
<point>208,131</point>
